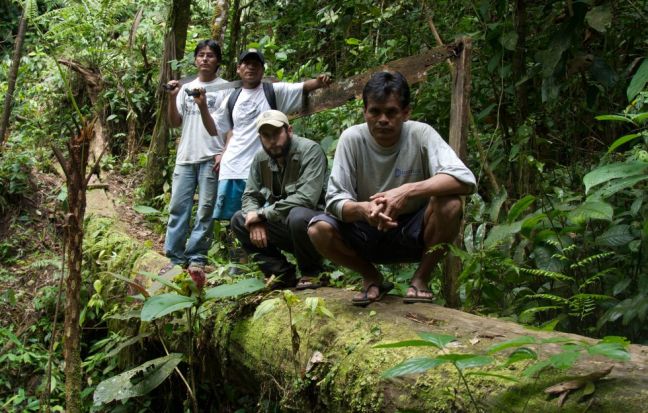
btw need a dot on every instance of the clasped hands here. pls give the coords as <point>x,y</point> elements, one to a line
<point>384,208</point>
<point>257,229</point>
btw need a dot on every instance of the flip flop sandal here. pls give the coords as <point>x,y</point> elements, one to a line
<point>306,283</point>
<point>416,298</point>
<point>383,289</point>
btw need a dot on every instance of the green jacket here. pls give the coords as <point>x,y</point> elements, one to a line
<point>300,183</point>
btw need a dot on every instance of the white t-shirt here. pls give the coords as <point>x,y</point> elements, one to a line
<point>196,144</point>
<point>244,143</point>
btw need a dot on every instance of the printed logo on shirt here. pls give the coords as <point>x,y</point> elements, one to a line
<point>246,113</point>
<point>407,172</point>
<point>191,108</point>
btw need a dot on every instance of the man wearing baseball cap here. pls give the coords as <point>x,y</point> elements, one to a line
<point>238,115</point>
<point>284,190</point>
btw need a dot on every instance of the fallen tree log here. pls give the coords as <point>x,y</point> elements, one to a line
<point>338,369</point>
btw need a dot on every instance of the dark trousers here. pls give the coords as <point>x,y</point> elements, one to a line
<point>291,236</point>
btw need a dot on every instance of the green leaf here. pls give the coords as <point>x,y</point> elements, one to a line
<point>496,204</point>
<point>509,40</point>
<point>412,366</point>
<point>163,280</point>
<point>520,354</point>
<point>466,361</point>
<point>638,81</point>
<point>407,343</point>
<point>487,374</point>
<point>438,340</point>
<point>536,368</point>
<point>136,382</point>
<point>610,188</point>
<point>352,41</point>
<point>163,304</point>
<point>564,360</point>
<point>619,118</point>
<point>145,210</point>
<point>246,286</point>
<point>515,342</point>
<point>597,210</point>
<point>615,351</point>
<point>265,307</point>
<point>622,140</point>
<point>126,343</point>
<point>501,232</point>
<point>599,18</point>
<point>519,207</point>
<point>616,236</point>
<point>613,171</point>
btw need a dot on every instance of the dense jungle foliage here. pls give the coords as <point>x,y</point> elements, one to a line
<point>556,237</point>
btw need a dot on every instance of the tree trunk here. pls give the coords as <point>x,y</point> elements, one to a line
<point>76,181</point>
<point>174,45</point>
<point>234,40</point>
<point>13,76</point>
<point>219,24</point>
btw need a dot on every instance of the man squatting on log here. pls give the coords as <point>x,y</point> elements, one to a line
<point>284,190</point>
<point>393,194</point>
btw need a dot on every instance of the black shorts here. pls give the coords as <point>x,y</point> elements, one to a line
<point>401,244</point>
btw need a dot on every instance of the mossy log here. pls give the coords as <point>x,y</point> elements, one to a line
<point>345,376</point>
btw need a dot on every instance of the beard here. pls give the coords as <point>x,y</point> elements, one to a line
<point>282,153</point>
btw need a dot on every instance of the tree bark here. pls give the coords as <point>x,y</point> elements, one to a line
<point>13,76</point>
<point>174,45</point>
<point>235,33</point>
<point>219,24</point>
<point>76,182</point>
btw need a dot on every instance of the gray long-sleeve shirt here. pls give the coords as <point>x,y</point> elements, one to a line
<point>362,168</point>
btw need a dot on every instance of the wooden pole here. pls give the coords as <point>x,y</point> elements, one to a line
<point>459,121</point>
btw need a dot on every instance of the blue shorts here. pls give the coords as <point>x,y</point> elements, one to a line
<point>229,196</point>
<point>401,244</point>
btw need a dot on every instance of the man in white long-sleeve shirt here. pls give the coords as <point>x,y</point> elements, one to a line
<point>393,194</point>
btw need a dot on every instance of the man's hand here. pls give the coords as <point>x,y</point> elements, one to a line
<point>323,80</point>
<point>376,217</point>
<point>393,201</point>
<point>217,161</point>
<point>258,234</point>
<point>201,99</point>
<point>173,87</point>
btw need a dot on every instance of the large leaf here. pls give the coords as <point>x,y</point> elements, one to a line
<point>412,366</point>
<point>265,307</point>
<point>247,286</point>
<point>163,304</point>
<point>599,18</point>
<point>614,171</point>
<point>138,381</point>
<point>610,188</point>
<point>519,207</point>
<point>514,342</point>
<point>598,210</point>
<point>438,340</point>
<point>615,236</point>
<point>501,232</point>
<point>615,351</point>
<point>520,354</point>
<point>509,40</point>
<point>466,361</point>
<point>638,81</point>
<point>622,140</point>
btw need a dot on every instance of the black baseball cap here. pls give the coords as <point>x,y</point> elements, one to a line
<point>252,53</point>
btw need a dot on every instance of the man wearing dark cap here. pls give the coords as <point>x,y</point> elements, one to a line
<point>284,190</point>
<point>238,115</point>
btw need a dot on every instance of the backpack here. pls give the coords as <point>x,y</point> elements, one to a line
<point>268,90</point>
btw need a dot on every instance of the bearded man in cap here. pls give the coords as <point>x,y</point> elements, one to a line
<point>284,190</point>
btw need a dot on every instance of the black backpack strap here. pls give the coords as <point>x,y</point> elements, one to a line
<point>269,91</point>
<point>231,102</point>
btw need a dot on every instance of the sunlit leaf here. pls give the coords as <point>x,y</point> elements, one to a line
<point>514,342</point>
<point>519,207</point>
<point>622,140</point>
<point>439,340</point>
<point>615,351</point>
<point>638,81</point>
<point>614,171</point>
<point>138,381</point>
<point>265,307</point>
<point>163,304</point>
<point>246,286</point>
<point>520,354</point>
<point>145,210</point>
<point>412,366</point>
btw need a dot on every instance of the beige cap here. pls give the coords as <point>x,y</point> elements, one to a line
<point>275,118</point>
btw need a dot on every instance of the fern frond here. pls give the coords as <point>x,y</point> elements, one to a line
<point>550,297</point>
<point>547,274</point>
<point>47,262</point>
<point>595,278</point>
<point>589,260</point>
